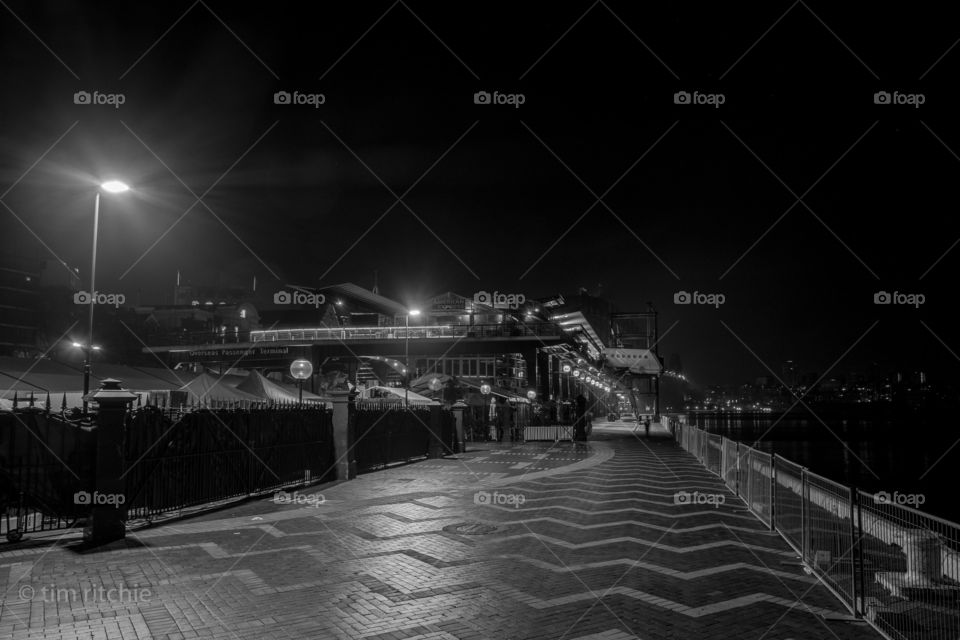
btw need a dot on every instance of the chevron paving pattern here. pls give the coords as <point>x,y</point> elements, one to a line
<point>537,540</point>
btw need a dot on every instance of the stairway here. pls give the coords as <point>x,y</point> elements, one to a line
<point>366,375</point>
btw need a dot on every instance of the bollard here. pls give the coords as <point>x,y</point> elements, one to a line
<point>344,438</point>
<point>922,549</point>
<point>108,502</point>
<point>458,408</point>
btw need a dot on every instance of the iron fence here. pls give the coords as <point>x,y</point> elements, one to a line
<point>388,434</point>
<point>45,460</point>
<point>179,460</point>
<point>893,565</point>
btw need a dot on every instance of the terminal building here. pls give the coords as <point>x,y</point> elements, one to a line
<point>545,350</point>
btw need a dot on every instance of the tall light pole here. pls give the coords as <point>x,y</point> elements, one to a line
<point>406,355</point>
<point>111,186</point>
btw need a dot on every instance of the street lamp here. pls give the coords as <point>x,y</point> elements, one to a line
<point>406,355</point>
<point>111,186</point>
<point>301,370</point>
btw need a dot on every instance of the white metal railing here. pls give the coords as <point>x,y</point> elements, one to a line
<point>896,566</point>
<point>403,333</point>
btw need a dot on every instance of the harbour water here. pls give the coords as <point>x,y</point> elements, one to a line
<point>919,459</point>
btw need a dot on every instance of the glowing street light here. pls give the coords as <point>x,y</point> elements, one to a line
<point>114,186</point>
<point>406,352</point>
<point>110,186</point>
<point>301,370</point>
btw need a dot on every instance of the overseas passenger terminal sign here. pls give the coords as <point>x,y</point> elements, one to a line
<point>237,353</point>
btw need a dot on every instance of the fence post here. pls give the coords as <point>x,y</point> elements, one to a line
<point>773,492</point>
<point>859,533</point>
<point>458,408</point>
<point>343,440</point>
<point>854,551</point>
<point>107,517</point>
<point>435,449</point>
<point>804,514</point>
<point>736,475</point>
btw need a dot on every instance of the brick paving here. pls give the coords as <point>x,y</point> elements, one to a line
<point>536,540</point>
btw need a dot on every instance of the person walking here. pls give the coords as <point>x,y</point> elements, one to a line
<point>646,425</point>
<point>579,428</point>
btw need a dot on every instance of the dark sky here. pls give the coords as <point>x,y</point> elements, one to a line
<point>698,190</point>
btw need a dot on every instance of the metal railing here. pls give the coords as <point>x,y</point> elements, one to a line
<point>895,566</point>
<point>45,459</point>
<point>414,333</point>
<point>447,331</point>
<point>199,457</point>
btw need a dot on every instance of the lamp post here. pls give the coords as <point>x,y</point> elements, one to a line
<point>111,186</point>
<point>301,370</point>
<point>406,355</point>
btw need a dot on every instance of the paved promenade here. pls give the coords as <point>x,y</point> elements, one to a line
<point>538,540</point>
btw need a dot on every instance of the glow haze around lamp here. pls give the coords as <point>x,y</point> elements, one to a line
<point>110,186</point>
<point>406,354</point>
<point>115,186</point>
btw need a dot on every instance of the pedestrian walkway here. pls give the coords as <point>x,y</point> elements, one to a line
<point>622,538</point>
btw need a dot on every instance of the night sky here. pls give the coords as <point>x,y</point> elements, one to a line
<point>692,197</point>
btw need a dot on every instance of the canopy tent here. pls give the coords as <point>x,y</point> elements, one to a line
<point>21,376</point>
<point>393,394</point>
<point>205,388</point>
<point>24,375</point>
<point>258,385</point>
<point>423,382</point>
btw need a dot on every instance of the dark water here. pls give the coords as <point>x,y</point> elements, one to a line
<point>916,456</point>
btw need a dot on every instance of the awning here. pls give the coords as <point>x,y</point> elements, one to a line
<point>264,388</point>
